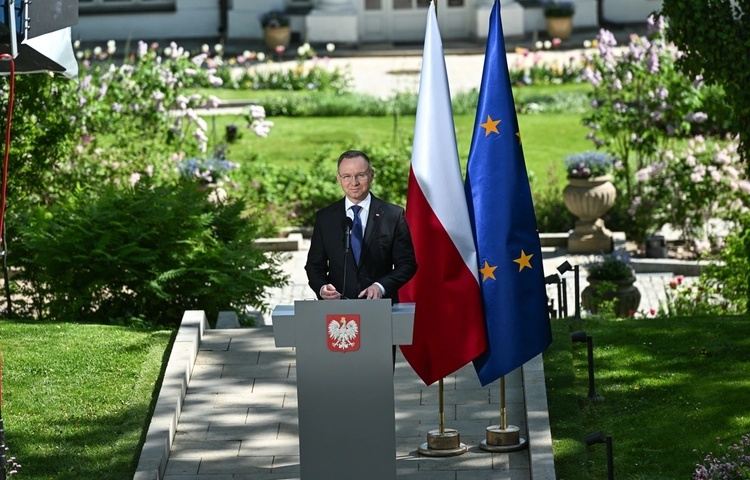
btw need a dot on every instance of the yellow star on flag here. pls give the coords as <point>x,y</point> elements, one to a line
<point>523,261</point>
<point>488,271</point>
<point>490,126</point>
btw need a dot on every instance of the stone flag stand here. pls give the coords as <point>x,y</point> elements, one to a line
<point>347,426</point>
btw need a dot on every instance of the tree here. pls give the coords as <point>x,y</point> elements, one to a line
<point>715,37</point>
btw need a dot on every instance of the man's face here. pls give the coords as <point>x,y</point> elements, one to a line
<point>355,177</point>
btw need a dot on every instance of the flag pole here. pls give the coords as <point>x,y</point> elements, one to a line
<point>443,442</point>
<point>441,411</point>
<point>503,437</point>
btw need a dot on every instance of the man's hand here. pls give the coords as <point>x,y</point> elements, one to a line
<point>328,292</point>
<point>373,291</point>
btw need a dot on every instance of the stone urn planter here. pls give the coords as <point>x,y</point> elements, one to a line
<point>627,297</point>
<point>559,16</point>
<point>589,199</point>
<point>560,27</point>
<point>277,37</point>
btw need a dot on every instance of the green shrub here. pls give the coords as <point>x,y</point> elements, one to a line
<point>324,104</point>
<point>146,253</point>
<point>42,132</point>
<point>292,196</point>
<point>731,276</point>
<point>551,213</point>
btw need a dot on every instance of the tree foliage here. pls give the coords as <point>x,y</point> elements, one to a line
<point>715,37</point>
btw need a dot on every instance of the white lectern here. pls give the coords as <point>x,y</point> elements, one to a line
<point>347,426</point>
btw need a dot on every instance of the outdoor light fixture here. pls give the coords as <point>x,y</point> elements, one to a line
<point>554,279</point>
<point>564,267</point>
<point>582,337</point>
<point>578,292</point>
<point>598,437</point>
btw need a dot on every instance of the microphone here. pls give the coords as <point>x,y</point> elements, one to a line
<point>347,225</point>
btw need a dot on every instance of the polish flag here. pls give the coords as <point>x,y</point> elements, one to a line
<point>449,329</point>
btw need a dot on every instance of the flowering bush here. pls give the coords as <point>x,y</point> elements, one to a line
<point>532,68</point>
<point>612,267</point>
<point>692,187</point>
<point>108,146</point>
<point>212,171</point>
<point>733,464</point>
<point>256,120</point>
<point>642,104</point>
<point>588,164</point>
<point>699,297</point>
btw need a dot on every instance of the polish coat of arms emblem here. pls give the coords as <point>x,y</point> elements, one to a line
<point>343,332</point>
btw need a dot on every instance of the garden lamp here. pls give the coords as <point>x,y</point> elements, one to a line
<point>554,279</point>
<point>598,437</point>
<point>563,268</point>
<point>582,337</point>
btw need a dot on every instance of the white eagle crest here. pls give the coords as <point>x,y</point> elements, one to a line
<point>343,333</point>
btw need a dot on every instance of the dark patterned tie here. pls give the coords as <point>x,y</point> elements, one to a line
<point>356,233</point>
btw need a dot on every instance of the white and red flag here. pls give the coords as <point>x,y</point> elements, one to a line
<point>449,329</point>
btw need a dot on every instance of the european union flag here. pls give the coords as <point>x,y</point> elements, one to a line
<point>502,216</point>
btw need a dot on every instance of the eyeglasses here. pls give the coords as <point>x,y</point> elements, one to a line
<point>359,176</point>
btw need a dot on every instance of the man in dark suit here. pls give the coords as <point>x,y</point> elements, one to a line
<point>378,235</point>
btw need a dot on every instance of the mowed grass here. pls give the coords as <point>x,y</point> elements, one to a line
<point>547,139</point>
<point>671,387</point>
<point>77,398</point>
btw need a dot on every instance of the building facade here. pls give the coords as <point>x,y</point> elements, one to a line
<point>351,22</point>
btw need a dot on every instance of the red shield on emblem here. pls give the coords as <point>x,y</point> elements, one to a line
<point>343,332</point>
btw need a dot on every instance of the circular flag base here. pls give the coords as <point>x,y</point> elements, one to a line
<point>445,444</point>
<point>503,439</point>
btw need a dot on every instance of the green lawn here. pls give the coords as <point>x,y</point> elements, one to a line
<point>671,386</point>
<point>77,398</point>
<point>547,139</point>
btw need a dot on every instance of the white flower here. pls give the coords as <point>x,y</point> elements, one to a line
<point>205,48</point>
<point>261,56</point>
<point>213,101</point>
<point>134,178</point>
<point>218,48</point>
<point>257,112</point>
<point>330,47</point>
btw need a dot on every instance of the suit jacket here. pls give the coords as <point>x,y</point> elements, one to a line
<point>387,251</point>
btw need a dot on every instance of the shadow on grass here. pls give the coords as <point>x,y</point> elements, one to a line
<point>671,387</point>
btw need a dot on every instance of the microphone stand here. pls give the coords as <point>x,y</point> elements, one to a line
<point>348,224</point>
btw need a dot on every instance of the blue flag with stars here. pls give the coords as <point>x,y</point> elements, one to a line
<point>502,217</point>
